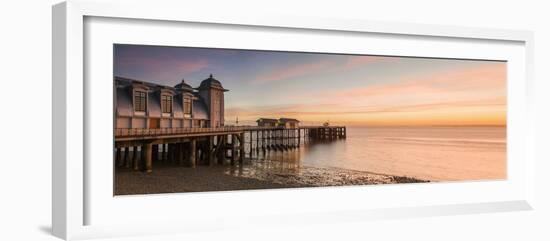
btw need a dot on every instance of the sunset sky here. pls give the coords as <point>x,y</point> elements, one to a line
<point>342,89</point>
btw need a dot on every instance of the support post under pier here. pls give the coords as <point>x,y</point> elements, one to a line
<point>241,148</point>
<point>193,156</point>
<point>138,157</point>
<point>210,150</point>
<point>148,154</point>
<point>135,158</point>
<point>233,149</point>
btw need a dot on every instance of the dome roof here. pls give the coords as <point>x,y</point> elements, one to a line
<point>211,83</point>
<point>183,86</point>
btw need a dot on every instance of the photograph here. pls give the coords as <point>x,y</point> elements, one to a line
<point>193,119</point>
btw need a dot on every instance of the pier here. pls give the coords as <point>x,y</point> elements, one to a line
<point>141,148</point>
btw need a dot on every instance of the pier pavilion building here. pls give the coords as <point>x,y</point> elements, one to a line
<point>141,104</point>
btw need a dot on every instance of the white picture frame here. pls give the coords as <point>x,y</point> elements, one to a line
<point>73,191</point>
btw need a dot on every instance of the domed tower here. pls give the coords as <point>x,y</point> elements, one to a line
<point>184,87</point>
<point>211,92</point>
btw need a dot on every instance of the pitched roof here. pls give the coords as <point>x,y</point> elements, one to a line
<point>184,86</point>
<point>288,120</point>
<point>267,119</point>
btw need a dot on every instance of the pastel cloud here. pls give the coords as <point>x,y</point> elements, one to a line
<point>318,66</point>
<point>483,77</point>
<point>473,95</point>
<point>292,71</point>
<point>156,66</point>
<point>359,61</point>
<point>184,65</point>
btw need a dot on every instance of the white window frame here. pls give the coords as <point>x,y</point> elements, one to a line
<point>190,114</point>
<point>139,113</point>
<point>167,114</point>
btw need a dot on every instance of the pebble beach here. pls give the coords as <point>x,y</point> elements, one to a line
<point>250,176</point>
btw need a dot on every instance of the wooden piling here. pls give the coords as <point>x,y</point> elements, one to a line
<point>165,152</point>
<point>180,153</point>
<point>160,150</point>
<point>118,158</point>
<point>233,149</point>
<point>155,151</point>
<point>193,153</point>
<point>171,152</point>
<point>220,149</point>
<point>148,151</point>
<point>211,150</point>
<point>136,159</point>
<point>126,157</point>
<point>257,142</point>
<point>299,137</point>
<point>241,148</point>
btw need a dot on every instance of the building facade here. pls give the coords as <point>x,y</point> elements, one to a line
<point>140,104</point>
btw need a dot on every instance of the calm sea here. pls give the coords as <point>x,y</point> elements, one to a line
<point>430,153</point>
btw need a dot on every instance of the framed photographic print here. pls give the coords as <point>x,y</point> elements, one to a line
<point>182,115</point>
<point>284,119</point>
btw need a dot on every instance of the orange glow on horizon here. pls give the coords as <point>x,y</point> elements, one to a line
<point>472,96</point>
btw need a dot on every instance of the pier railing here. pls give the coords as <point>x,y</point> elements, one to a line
<point>185,130</point>
<point>131,132</point>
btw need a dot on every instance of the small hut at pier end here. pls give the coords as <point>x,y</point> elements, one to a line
<point>265,122</point>
<point>281,122</point>
<point>288,122</point>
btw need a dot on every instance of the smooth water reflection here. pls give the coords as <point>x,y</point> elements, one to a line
<point>429,153</point>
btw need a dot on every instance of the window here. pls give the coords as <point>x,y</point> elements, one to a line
<point>187,106</point>
<point>166,103</point>
<point>140,101</point>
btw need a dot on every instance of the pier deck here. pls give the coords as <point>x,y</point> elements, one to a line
<point>139,148</point>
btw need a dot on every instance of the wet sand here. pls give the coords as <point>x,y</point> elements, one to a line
<point>259,175</point>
